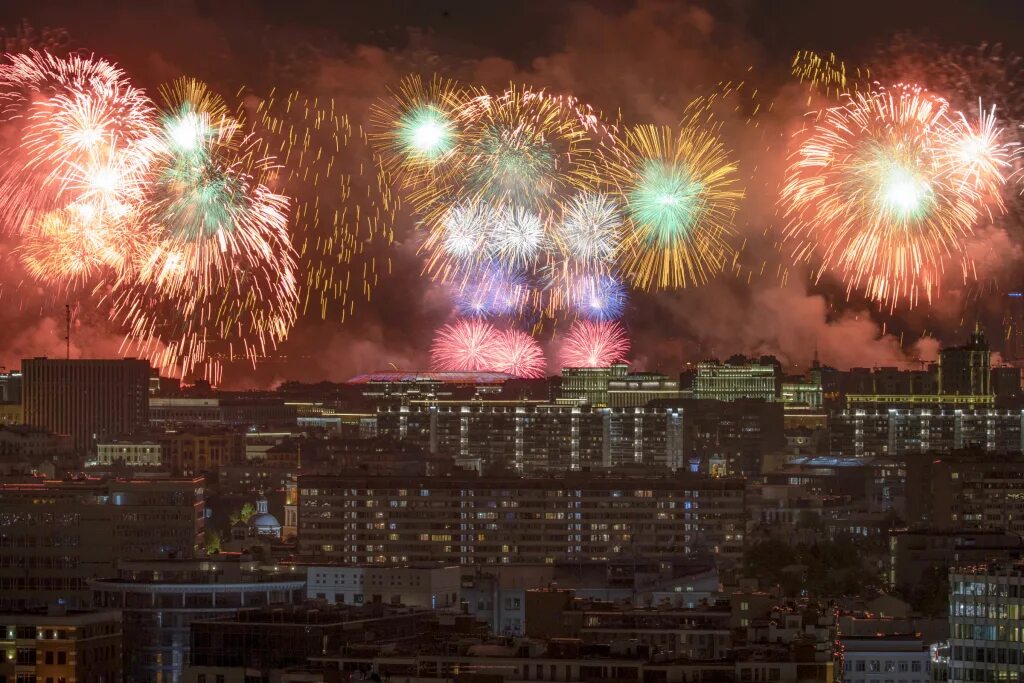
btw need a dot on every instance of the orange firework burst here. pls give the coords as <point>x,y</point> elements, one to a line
<point>884,189</point>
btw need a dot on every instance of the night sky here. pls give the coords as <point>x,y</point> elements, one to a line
<point>643,61</point>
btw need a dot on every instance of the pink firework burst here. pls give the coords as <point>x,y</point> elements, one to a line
<point>591,344</point>
<point>519,354</point>
<point>466,345</point>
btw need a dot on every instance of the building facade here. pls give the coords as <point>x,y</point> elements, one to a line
<point>61,645</point>
<point>738,377</point>
<point>56,535</point>
<point>465,519</point>
<point>130,453</point>
<point>899,430</point>
<point>966,490</point>
<point>986,623</point>
<point>87,399</point>
<point>159,600</point>
<point>430,586</point>
<point>966,370</point>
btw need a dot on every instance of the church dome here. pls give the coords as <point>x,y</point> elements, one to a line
<point>263,523</point>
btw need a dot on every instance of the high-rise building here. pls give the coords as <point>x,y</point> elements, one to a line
<point>738,377</point>
<point>900,430</point>
<point>1013,326</point>
<point>966,369</point>
<point>536,436</point>
<point>159,600</point>
<point>87,399</point>
<point>986,613</point>
<point>56,535</point>
<point>966,490</point>
<point>10,387</point>
<point>724,437</point>
<point>467,519</point>
<point>61,645</point>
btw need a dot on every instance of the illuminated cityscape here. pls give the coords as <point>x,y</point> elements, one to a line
<point>640,341</point>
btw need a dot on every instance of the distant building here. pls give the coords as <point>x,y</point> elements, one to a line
<point>738,377</point>
<point>10,387</point>
<point>239,410</point>
<point>159,600</point>
<point>425,585</point>
<point>58,534</point>
<point>885,658</point>
<point>466,519</point>
<point>1006,385</point>
<point>385,387</point>
<point>130,453</point>
<point>966,490</point>
<point>914,553</point>
<point>899,430</point>
<point>61,645</point>
<point>87,399</point>
<point>32,442</point>
<point>266,639</point>
<point>589,386</point>
<point>985,623</point>
<point>966,370</point>
<point>706,436</point>
<point>637,389</point>
<point>192,450</point>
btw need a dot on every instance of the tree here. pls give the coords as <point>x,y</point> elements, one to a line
<point>212,542</point>
<point>243,514</point>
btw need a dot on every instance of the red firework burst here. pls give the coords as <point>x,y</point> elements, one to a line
<point>519,354</point>
<point>466,345</point>
<point>591,344</point>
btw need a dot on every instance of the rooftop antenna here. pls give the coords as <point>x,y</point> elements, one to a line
<point>67,331</point>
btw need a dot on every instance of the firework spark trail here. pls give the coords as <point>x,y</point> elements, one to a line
<point>343,221</point>
<point>884,189</point>
<point>466,345</point>
<point>591,344</point>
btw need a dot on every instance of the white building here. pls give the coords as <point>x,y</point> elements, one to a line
<point>897,658</point>
<point>130,453</point>
<point>430,585</point>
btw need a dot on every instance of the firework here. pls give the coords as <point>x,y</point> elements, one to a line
<point>591,229</point>
<point>518,237</point>
<point>467,345</point>
<point>828,75</point>
<point>680,193</point>
<point>594,344</point>
<point>597,297</point>
<point>221,281</point>
<point>344,215</point>
<point>519,354</point>
<point>73,177</point>
<point>418,126</point>
<point>494,292</point>
<point>525,148</point>
<point>461,239</point>
<point>884,189</point>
